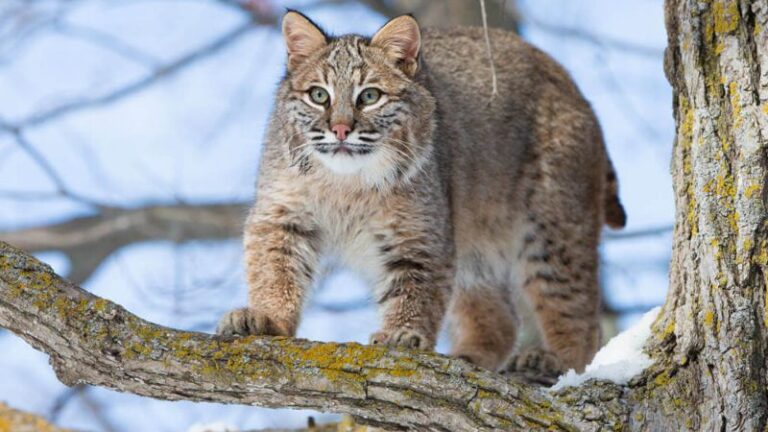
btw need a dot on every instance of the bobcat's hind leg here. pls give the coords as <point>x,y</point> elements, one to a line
<point>564,197</point>
<point>483,325</point>
<point>561,285</point>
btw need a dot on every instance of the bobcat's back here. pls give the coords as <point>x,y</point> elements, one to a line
<point>486,138</point>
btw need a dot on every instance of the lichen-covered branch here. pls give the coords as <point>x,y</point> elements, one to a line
<point>18,421</point>
<point>91,340</point>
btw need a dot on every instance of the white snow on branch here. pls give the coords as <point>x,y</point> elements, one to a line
<point>620,359</point>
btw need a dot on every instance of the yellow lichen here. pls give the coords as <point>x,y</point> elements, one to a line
<point>686,142</point>
<point>751,190</point>
<point>762,256</point>
<point>670,328</point>
<point>12,420</point>
<point>716,245</point>
<point>726,16</point>
<point>720,47</point>
<point>692,216</point>
<point>347,424</point>
<point>709,318</point>
<point>662,379</point>
<point>733,220</point>
<point>686,126</point>
<point>709,31</point>
<point>667,331</point>
<point>100,305</point>
<point>733,89</point>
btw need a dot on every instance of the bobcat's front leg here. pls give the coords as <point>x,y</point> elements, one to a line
<point>414,293</point>
<point>280,258</point>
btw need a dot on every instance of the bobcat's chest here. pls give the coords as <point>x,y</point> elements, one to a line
<point>350,234</point>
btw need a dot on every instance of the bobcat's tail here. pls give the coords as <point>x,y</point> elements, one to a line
<point>615,216</point>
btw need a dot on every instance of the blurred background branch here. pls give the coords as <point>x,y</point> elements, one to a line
<point>88,240</point>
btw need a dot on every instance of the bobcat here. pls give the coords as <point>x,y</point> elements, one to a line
<point>393,155</point>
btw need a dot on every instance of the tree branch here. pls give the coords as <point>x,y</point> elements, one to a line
<point>603,41</point>
<point>62,190</point>
<point>15,420</point>
<point>140,84</point>
<point>88,240</point>
<point>91,340</point>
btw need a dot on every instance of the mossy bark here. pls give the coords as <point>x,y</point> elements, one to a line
<point>91,340</point>
<point>710,338</point>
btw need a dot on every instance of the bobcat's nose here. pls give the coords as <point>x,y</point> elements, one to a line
<point>341,130</point>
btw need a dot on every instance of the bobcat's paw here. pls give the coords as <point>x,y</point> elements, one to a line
<point>534,364</point>
<point>245,321</point>
<point>487,360</point>
<point>403,337</point>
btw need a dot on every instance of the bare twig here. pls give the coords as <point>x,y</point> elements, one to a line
<point>97,411</point>
<point>50,171</point>
<point>602,41</point>
<point>63,399</point>
<point>107,41</point>
<point>134,87</point>
<point>640,233</point>
<point>494,89</point>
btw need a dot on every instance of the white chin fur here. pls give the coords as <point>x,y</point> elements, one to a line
<point>372,168</point>
<point>345,164</point>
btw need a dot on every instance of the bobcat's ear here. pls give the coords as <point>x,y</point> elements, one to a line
<point>302,38</point>
<point>401,39</point>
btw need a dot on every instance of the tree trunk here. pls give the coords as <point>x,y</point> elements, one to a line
<point>710,339</point>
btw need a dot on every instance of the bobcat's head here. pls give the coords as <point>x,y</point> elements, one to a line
<point>352,105</point>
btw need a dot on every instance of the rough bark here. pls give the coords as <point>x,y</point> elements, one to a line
<point>93,341</point>
<point>710,339</point>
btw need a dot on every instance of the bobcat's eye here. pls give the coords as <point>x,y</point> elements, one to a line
<point>369,96</point>
<point>318,95</point>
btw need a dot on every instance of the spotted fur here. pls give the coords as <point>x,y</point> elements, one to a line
<point>444,197</point>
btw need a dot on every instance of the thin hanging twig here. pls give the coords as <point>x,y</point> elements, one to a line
<point>494,89</point>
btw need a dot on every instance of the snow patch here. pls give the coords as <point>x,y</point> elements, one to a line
<point>620,359</point>
<point>212,427</point>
